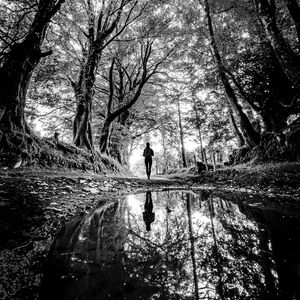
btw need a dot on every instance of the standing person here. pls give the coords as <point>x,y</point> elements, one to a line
<point>148,153</point>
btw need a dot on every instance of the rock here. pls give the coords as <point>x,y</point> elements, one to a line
<point>18,164</point>
<point>91,190</point>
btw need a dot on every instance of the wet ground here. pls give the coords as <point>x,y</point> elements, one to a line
<point>177,245</point>
<point>122,238</point>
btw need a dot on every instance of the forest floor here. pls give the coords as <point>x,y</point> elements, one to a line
<point>35,203</point>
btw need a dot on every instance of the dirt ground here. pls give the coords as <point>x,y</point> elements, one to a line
<point>35,203</point>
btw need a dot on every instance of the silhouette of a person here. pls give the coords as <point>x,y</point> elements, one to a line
<point>148,153</point>
<point>148,214</point>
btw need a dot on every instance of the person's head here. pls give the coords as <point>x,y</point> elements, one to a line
<point>147,144</point>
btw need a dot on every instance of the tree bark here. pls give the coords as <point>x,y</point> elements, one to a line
<point>294,10</point>
<point>198,125</point>
<point>100,34</point>
<point>240,137</point>
<point>84,93</point>
<point>15,76</point>
<point>251,136</point>
<point>289,61</point>
<point>119,139</point>
<point>103,142</point>
<point>184,163</point>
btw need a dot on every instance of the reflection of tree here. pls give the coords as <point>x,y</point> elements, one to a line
<point>216,253</point>
<point>216,250</point>
<point>87,260</point>
<point>267,263</point>
<point>192,241</point>
<point>280,231</point>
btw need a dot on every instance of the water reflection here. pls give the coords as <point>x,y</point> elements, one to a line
<point>201,246</point>
<point>148,214</point>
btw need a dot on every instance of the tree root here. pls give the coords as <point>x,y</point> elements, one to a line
<point>21,149</point>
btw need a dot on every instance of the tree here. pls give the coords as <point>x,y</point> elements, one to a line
<point>251,136</point>
<point>181,133</point>
<point>126,83</point>
<point>294,10</point>
<point>15,74</point>
<point>290,62</point>
<point>102,30</point>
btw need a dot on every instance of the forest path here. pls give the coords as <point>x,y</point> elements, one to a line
<point>37,202</point>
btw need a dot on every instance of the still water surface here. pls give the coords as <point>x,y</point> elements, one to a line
<point>178,245</point>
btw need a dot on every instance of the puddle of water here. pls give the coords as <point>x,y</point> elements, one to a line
<point>177,245</point>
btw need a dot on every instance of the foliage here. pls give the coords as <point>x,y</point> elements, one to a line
<point>186,70</point>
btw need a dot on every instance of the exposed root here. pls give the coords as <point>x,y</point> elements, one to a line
<point>22,149</point>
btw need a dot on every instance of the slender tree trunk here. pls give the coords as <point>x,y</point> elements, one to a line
<point>266,263</point>
<point>199,131</point>
<point>15,75</point>
<point>192,241</point>
<point>205,158</point>
<point>184,163</point>
<point>165,162</point>
<point>213,157</point>
<point>220,287</point>
<point>289,61</point>
<point>251,136</point>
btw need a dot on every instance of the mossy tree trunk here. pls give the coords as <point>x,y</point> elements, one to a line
<point>15,75</point>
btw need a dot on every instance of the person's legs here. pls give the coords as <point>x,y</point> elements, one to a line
<point>149,168</point>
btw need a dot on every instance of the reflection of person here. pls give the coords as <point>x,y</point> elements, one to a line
<point>148,153</point>
<point>148,214</point>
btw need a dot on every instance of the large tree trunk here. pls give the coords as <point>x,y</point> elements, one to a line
<point>15,76</point>
<point>84,92</point>
<point>294,9</point>
<point>251,136</point>
<point>241,141</point>
<point>82,128</point>
<point>289,61</point>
